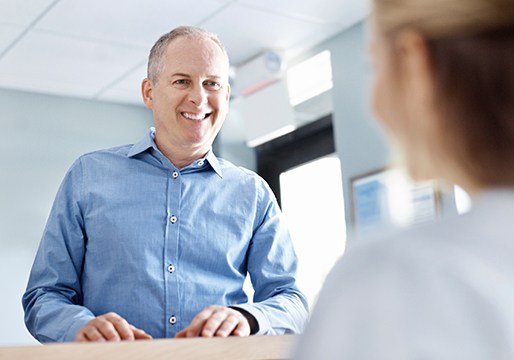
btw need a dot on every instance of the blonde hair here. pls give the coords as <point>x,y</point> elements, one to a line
<point>471,48</point>
<point>444,18</point>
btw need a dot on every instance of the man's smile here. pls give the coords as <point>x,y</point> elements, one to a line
<point>198,117</point>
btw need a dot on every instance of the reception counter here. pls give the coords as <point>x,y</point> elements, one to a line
<point>232,348</point>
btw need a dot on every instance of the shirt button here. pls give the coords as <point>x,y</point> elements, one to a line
<point>173,219</point>
<point>171,268</point>
<point>175,174</point>
<point>200,162</point>
<point>173,320</point>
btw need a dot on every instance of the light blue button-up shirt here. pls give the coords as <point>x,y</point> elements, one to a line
<point>131,233</point>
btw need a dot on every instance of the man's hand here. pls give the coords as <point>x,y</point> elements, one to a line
<point>216,321</point>
<point>110,327</point>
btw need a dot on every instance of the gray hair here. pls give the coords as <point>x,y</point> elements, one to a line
<point>156,57</point>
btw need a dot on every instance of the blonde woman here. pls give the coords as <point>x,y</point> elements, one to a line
<point>444,92</point>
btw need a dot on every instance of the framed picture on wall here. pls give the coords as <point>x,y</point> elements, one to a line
<point>388,198</point>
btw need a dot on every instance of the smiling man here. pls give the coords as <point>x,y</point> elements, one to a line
<point>156,239</point>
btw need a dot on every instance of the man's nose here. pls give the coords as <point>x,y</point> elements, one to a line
<point>198,95</point>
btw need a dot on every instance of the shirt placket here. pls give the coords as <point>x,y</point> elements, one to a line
<point>171,264</point>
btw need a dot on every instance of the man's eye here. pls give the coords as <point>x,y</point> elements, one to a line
<point>180,82</point>
<point>213,85</point>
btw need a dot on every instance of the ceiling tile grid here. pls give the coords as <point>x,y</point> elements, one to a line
<point>127,22</point>
<point>126,90</point>
<point>8,34</point>
<point>98,49</point>
<point>343,12</point>
<point>65,65</point>
<point>22,12</point>
<point>257,30</point>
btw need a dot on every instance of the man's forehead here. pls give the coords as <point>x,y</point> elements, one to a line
<point>190,56</point>
<point>185,74</point>
<point>197,67</point>
<point>197,44</point>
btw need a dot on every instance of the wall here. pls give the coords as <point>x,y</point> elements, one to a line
<point>231,144</point>
<point>360,143</point>
<point>40,138</point>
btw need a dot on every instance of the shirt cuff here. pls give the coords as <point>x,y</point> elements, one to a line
<point>262,321</point>
<point>74,328</point>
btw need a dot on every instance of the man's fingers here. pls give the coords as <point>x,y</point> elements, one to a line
<point>213,323</point>
<point>81,337</point>
<point>122,327</point>
<point>92,334</point>
<point>181,334</point>
<point>216,321</point>
<point>242,329</point>
<point>228,326</point>
<point>140,334</point>
<point>107,329</point>
<point>110,327</point>
<point>197,324</point>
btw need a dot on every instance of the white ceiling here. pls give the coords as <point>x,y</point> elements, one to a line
<point>97,49</point>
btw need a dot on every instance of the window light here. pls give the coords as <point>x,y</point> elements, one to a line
<point>309,78</point>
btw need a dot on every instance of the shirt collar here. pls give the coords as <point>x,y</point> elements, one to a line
<point>215,164</point>
<point>145,143</point>
<point>148,142</point>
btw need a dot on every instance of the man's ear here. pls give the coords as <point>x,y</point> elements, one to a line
<point>229,89</point>
<point>146,92</point>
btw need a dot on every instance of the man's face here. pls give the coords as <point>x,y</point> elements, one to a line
<point>190,97</point>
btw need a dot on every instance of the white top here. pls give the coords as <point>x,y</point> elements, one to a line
<point>441,291</point>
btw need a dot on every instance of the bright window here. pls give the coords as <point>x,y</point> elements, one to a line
<point>462,200</point>
<point>313,205</point>
<point>309,78</point>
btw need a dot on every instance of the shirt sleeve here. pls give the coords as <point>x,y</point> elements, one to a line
<point>279,306</point>
<point>54,294</point>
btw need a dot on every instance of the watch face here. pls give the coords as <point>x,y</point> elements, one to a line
<point>273,61</point>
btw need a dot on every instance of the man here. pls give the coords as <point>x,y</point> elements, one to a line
<point>155,239</point>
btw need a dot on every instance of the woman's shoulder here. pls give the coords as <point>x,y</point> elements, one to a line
<point>446,248</point>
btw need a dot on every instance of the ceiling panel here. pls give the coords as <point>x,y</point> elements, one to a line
<point>131,22</point>
<point>86,48</point>
<point>314,38</point>
<point>8,33</point>
<point>22,12</point>
<point>48,63</point>
<point>257,30</point>
<point>345,12</point>
<point>127,90</point>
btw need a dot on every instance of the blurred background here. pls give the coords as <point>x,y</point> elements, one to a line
<point>70,75</point>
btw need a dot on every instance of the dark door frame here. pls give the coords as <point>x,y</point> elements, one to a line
<point>305,144</point>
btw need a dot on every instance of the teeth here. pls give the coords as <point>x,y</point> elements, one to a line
<point>194,116</point>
